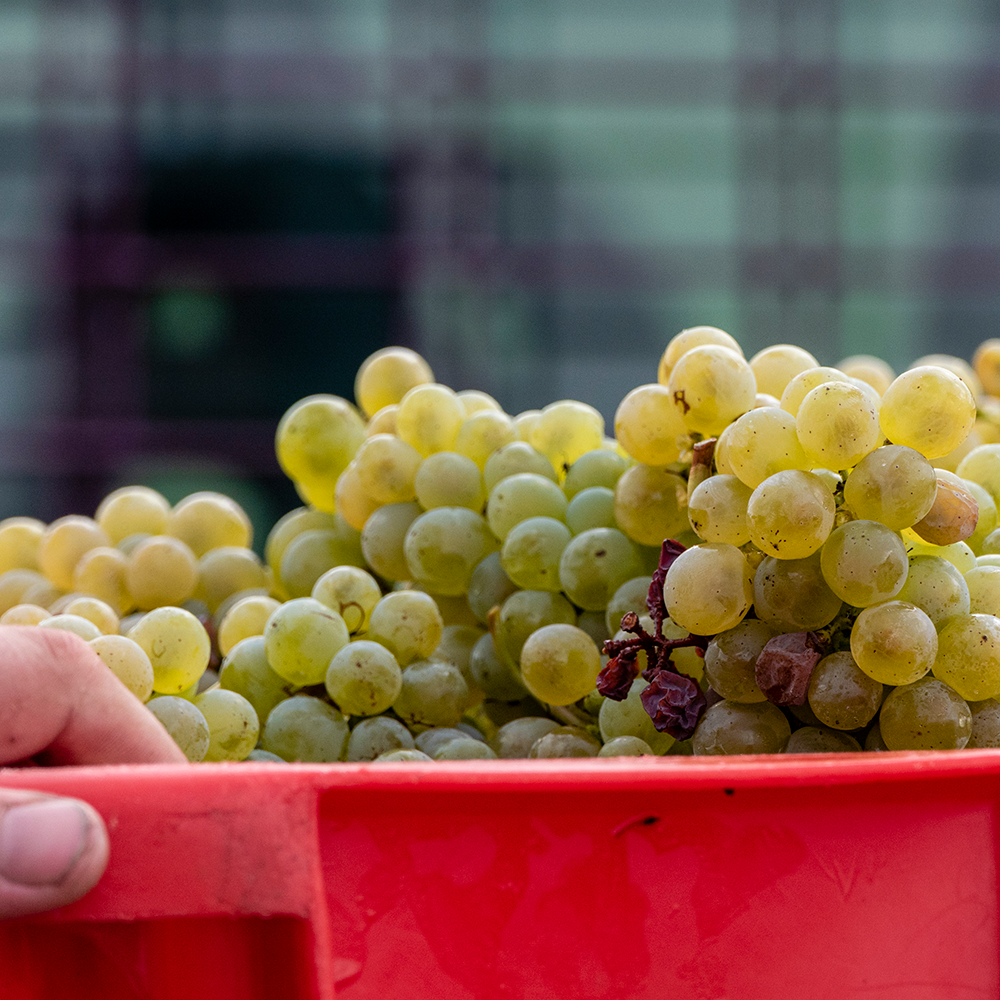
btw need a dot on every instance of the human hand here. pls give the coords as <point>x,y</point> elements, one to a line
<point>59,704</point>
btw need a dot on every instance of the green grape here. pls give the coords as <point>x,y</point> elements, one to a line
<point>876,372</point>
<point>404,757</point>
<point>630,596</point>
<point>128,661</point>
<point>177,645</point>
<point>649,427</point>
<point>448,479</point>
<point>984,590</point>
<point>790,515</point>
<point>818,739</point>
<point>363,678</point>
<point>523,495</point>
<point>227,570</point>
<point>130,510</point>
<point>245,618</point>
<point>301,637</point>
<point>433,693</point>
<point>351,592</point>
<point>925,715</point>
<point>987,519</point>
<point>429,417</point>
<point>246,670</point>
<point>565,741</point>
<point>317,437</point>
<point>489,587</point>
<point>524,612</point>
<point>531,551</point>
<point>695,336</point>
<point>566,430</point>
<point>988,560</point>
<point>717,509</point>
<point>161,571</point>
<point>762,442</point>
<point>383,537</point>
<point>985,724</point>
<point>19,539</point>
<point>346,498</point>
<point>892,484</point>
<point>958,553</point>
<point>514,740</point>
<point>929,409</point>
<point>484,432</point>
<point>792,595</point>
<point>430,741</point>
<point>559,664</point>
<point>732,728</point>
<point>233,726</point>
<point>594,564</point>
<point>291,524</point>
<point>803,383</point>
<point>455,647</point>
<point>651,504</point>
<point>492,675</point>
<point>514,459</point>
<point>444,545</point>
<point>775,366</point>
<point>837,425</point>
<point>312,553</point>
<point>593,507</point>
<point>386,376</point>
<point>185,723</point>
<point>264,757</point>
<point>598,467</point>
<point>303,728</point>
<point>626,746</point>
<point>408,624</point>
<point>62,545</point>
<point>711,386</point>
<point>94,610</point>
<point>383,421</point>
<point>841,695</point>
<point>709,588</point>
<point>864,563</point>
<point>629,718</point>
<point>101,573</point>
<point>968,655</point>
<point>465,749</point>
<point>476,401</point>
<point>24,614</point>
<point>208,520</point>
<point>387,468</point>
<point>731,660</point>
<point>378,735</point>
<point>982,466</point>
<point>894,642</point>
<point>936,587</point>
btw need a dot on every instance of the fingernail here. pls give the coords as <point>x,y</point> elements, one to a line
<point>40,842</point>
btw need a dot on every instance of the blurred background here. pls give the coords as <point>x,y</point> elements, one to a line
<point>211,208</point>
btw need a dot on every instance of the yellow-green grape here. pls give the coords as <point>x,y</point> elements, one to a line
<point>775,366</point>
<point>246,618</point>
<point>225,571</point>
<point>729,727</point>
<point>455,647</point>
<point>988,519</point>
<point>454,608</point>
<point>709,588</point>
<point>94,610</point>
<point>762,442</point>
<point>386,376</point>
<point>128,661</point>
<point>247,671</point>
<point>489,587</point>
<point>837,425</point>
<point>957,366</point>
<point>317,437</point>
<point>301,638</point>
<point>484,432</point>
<point>495,677</point>
<point>43,593</point>
<point>303,728</point>
<point>986,364</point>
<point>475,401</point>
<point>24,614</point>
<point>929,409</point>
<point>958,553</point>
<point>524,423</point>
<point>63,543</point>
<point>387,467</point>
<point>721,456</point>
<point>593,507</point>
<point>894,642</point>
<point>711,386</point>
<point>792,595</point>
<point>429,417</point>
<point>864,562</point>
<point>408,624</point>
<point>524,612</point>
<point>559,664</point>
<point>184,721</point>
<point>19,540</point>
<point>448,479</point>
<point>925,715</point>
<point>629,718</point>
<point>101,573</point>
<point>129,544</point>
<point>404,757</point>
<point>936,586</point>
<point>731,660</point>
<point>465,749</point>
<point>521,496</point>
<point>233,726</point>
<point>985,724</point>
<point>842,695</point>
<point>310,554</point>
<point>651,504</point>
<point>982,466</point>
<point>161,570</point>
<point>383,536</point>
<point>599,467</point>
<point>531,551</point>
<point>76,624</point>
<point>432,693</point>
<point>177,645</point>
<point>717,510</point>
<point>876,372</point>
<point>892,484</point>
<point>626,746</point>
<point>378,735</point>
<point>984,590</point>
<point>566,741</point>
<point>991,559</point>
<point>363,678</point>
<point>630,596</point>
<point>208,520</point>
<point>514,739</point>
<point>444,545</point>
<point>133,510</point>
<point>349,500</point>
<point>291,524</point>
<point>513,459</point>
<point>383,421</point>
<point>790,515</point>
<point>14,583</point>
<point>798,388</point>
<point>566,430</point>
<point>953,515</point>
<point>819,739</point>
<point>649,427</point>
<point>968,655</point>
<point>696,336</point>
<point>594,564</point>
<point>595,625</point>
<point>351,592</point>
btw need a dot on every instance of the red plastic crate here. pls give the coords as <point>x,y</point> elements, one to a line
<point>840,877</point>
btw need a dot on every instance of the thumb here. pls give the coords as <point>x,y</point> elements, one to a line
<point>52,851</point>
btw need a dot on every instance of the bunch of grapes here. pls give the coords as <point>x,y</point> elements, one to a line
<point>768,555</point>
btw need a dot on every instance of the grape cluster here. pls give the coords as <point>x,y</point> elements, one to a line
<point>768,555</point>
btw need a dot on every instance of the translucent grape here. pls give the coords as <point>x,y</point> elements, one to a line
<point>383,421</point>
<point>433,693</point>
<point>94,610</point>
<point>559,664</point>
<point>72,623</point>
<point>301,637</point>
<point>864,562</point>
<point>928,409</point>
<point>762,442</point>
<point>817,739</point>
<point>245,618</point>
<point>131,510</point>
<point>892,484</point>
<point>62,545</point>
<point>566,430</point>
<point>291,524</point>
<point>985,724</point>
<point>925,715</point>
<point>177,645</point>
<point>246,671</point>
<point>387,468</point>
<point>626,746</point>
<point>208,520</point>
<point>717,510</point>
<point>312,553</point>
<point>305,729</point>
<point>600,467</point>
<point>649,427</point>
<point>651,504</point>
<point>837,425</point>
<point>804,382</point>
<point>227,570</point>
<point>160,571</point>
<point>489,587</point>
<point>952,517</point>
<point>465,749</point>
<point>566,741</point>
<point>524,612</point>
<point>429,417</point>
<point>630,596</point>
<point>594,564</point>
<point>317,437</point>
<point>408,624</point>
<point>775,366</point>
<point>483,433</point>
<point>984,590</point>
<point>19,540</point>
<point>351,592</point>
<point>24,614</point>
<point>448,479</point>
<point>711,386</point>
<point>378,735</point>
<point>968,655</point>
<point>988,518</point>
<point>630,718</point>
<point>383,537</point>
<point>593,507</point>
<point>733,728</point>
<point>404,757</point>
<point>494,676</point>
<point>515,458</point>
<point>696,336</point>
<point>842,695</point>
<point>731,659</point>
<point>792,594</point>
<point>958,553</point>
<point>185,724</point>
<point>387,375</point>
<point>363,678</point>
<point>443,546</point>
<point>876,372</point>
<point>521,496</point>
<point>936,587</point>
<point>128,661</point>
<point>894,642</point>
<point>709,588</point>
<point>957,366</point>
<point>790,514</point>
<point>233,726</point>
<point>531,551</point>
<point>101,573</point>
